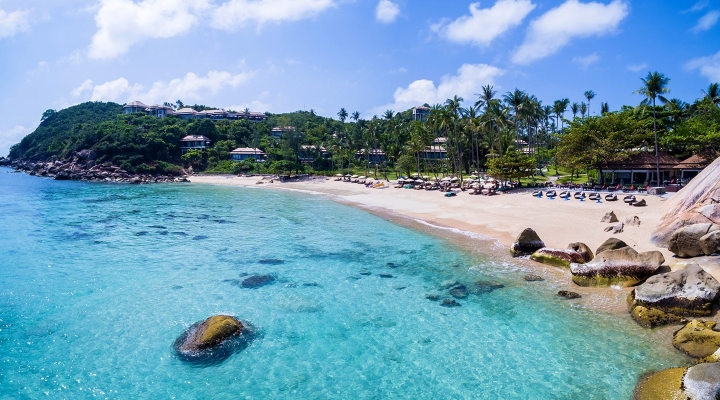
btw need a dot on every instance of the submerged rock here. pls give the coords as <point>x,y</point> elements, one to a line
<point>697,338</point>
<point>449,303</point>
<point>207,334</point>
<point>575,253</point>
<point>458,291</point>
<point>610,244</point>
<point>482,287</point>
<point>257,281</point>
<point>526,243</point>
<point>568,294</point>
<point>533,278</point>
<point>690,292</point>
<point>432,297</point>
<point>624,266</point>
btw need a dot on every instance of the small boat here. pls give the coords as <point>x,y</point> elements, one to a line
<point>629,199</point>
<point>611,197</point>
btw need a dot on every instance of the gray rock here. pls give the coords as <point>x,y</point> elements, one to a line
<point>689,292</point>
<point>257,281</point>
<point>568,294</point>
<point>710,243</point>
<point>526,243</point>
<point>458,292</point>
<point>624,266</point>
<point>632,221</point>
<point>432,297</point>
<point>533,278</point>
<point>702,381</point>
<point>609,217</point>
<point>449,303</point>
<point>610,244</point>
<point>685,242</point>
<point>448,284</point>
<point>615,228</point>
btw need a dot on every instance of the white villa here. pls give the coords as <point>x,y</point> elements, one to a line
<point>194,142</point>
<point>159,111</point>
<point>243,153</point>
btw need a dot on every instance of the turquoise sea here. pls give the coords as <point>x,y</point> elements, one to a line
<point>98,280</point>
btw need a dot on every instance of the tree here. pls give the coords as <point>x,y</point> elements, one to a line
<point>583,109</point>
<point>511,166</point>
<point>342,114</point>
<point>712,93</point>
<point>192,157</point>
<point>604,108</point>
<point>47,114</point>
<point>654,86</point>
<point>575,108</point>
<point>589,95</point>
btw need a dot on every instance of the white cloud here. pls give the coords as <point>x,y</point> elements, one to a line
<point>14,22</point>
<point>189,88</point>
<point>386,11</point>
<point>122,23</point>
<point>708,66</point>
<point>469,80</point>
<point>235,13</point>
<point>699,6</point>
<point>707,21</point>
<point>483,25</point>
<point>556,28</point>
<point>636,67</point>
<point>11,137</point>
<point>587,60</point>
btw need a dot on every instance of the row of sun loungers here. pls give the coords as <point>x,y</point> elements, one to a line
<point>594,196</point>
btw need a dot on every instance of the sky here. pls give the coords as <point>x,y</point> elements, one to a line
<point>363,55</point>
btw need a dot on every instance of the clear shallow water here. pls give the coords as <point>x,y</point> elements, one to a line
<point>97,281</point>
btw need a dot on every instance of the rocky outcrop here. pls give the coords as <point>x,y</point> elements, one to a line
<point>610,244</point>
<point>575,253</point>
<point>615,228</point>
<point>83,167</point>
<point>609,217</point>
<point>695,203</point>
<point>690,292</point>
<point>699,382</point>
<point>686,241</point>
<point>624,267</point>
<point>208,334</point>
<point>526,243</point>
<point>697,338</point>
<point>710,243</point>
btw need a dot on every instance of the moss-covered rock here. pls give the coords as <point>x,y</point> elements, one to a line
<point>697,338</point>
<point>712,358</point>
<point>662,385</point>
<point>209,333</point>
<point>689,292</point>
<point>652,317</point>
<point>575,253</point>
<point>623,267</point>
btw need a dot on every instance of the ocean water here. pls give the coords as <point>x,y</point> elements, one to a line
<point>98,280</point>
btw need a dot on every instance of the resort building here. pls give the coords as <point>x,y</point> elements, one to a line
<point>308,153</point>
<point>420,113</point>
<point>278,131</point>
<point>640,169</point>
<point>187,113</point>
<point>194,142</point>
<point>374,156</point>
<point>690,167</point>
<point>243,153</point>
<point>435,153</point>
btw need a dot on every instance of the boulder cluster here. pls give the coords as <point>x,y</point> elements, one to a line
<point>83,167</point>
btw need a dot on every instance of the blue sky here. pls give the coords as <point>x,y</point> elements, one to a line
<point>364,55</point>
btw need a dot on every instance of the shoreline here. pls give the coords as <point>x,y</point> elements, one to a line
<point>440,217</point>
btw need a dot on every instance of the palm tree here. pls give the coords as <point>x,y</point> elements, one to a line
<point>355,116</point>
<point>515,99</point>
<point>575,108</point>
<point>604,108</point>
<point>342,114</point>
<point>712,93</point>
<point>589,95</point>
<point>583,109</point>
<point>654,86</point>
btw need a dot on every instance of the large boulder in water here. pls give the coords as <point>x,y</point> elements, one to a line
<point>690,292</point>
<point>207,334</point>
<point>624,267</point>
<point>697,338</point>
<point>575,253</point>
<point>699,382</point>
<point>527,243</point>
<point>695,203</point>
<point>686,241</point>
